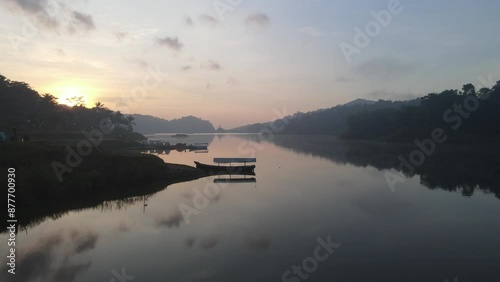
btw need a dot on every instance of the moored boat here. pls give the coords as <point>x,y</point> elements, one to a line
<point>221,169</point>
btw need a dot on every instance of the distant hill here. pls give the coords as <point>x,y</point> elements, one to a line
<point>360,102</point>
<point>462,116</point>
<point>326,121</point>
<point>189,124</point>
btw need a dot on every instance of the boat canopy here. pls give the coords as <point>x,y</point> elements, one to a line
<point>234,160</point>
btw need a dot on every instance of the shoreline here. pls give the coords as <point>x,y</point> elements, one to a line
<point>105,175</point>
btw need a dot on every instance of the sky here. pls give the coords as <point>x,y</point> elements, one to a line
<point>235,62</point>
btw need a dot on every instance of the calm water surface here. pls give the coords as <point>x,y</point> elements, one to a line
<point>257,231</point>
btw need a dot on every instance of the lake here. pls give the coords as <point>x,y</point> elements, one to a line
<point>320,209</point>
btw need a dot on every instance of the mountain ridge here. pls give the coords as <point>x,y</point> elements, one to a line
<point>188,124</point>
<point>327,121</point>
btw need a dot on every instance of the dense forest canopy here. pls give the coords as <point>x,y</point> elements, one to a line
<point>462,114</point>
<point>190,124</point>
<point>25,109</point>
<point>331,121</point>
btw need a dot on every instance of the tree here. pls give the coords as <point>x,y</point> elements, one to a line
<point>130,123</point>
<point>484,92</point>
<point>77,101</point>
<point>469,90</point>
<point>99,107</point>
<point>48,100</point>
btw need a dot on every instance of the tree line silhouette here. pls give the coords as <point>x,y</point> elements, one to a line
<point>25,109</point>
<point>463,114</point>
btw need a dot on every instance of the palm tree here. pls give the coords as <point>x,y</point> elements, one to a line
<point>77,101</point>
<point>99,107</point>
<point>48,100</point>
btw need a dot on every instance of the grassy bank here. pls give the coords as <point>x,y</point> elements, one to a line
<point>102,176</point>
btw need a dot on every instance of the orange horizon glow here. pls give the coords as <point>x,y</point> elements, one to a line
<point>66,92</point>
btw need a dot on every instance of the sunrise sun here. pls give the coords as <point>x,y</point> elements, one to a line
<point>72,95</point>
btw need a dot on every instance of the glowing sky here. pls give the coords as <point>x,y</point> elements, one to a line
<point>260,56</point>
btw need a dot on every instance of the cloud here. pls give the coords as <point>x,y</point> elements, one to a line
<point>68,272</point>
<point>190,242</point>
<point>208,243</point>
<point>208,20</point>
<point>139,63</point>
<point>51,15</point>
<point>382,69</point>
<point>211,65</point>
<point>171,221</point>
<point>186,68</point>
<point>122,228</point>
<point>316,32</point>
<point>29,6</point>
<point>36,263</point>
<point>46,261</point>
<point>258,20</point>
<point>83,242</point>
<point>205,243</point>
<point>60,52</point>
<point>258,243</point>
<point>231,81</point>
<point>83,21</point>
<point>188,21</point>
<point>170,42</point>
<point>342,79</point>
<point>120,36</point>
<point>311,31</point>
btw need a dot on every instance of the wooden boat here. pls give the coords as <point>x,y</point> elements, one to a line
<point>235,180</point>
<point>239,169</point>
<point>220,169</point>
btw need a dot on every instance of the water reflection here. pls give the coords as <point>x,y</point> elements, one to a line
<point>259,243</point>
<point>457,168</point>
<point>53,257</point>
<point>174,220</point>
<point>308,187</point>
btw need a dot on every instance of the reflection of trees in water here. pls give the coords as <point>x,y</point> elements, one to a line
<point>458,168</point>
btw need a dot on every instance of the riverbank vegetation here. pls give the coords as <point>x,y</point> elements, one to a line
<point>102,176</point>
